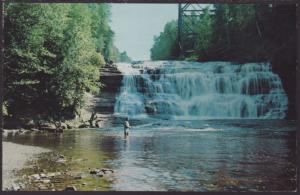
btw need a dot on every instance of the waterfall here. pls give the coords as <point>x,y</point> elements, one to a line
<point>193,90</point>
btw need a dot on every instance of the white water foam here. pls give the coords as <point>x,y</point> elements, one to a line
<point>192,90</point>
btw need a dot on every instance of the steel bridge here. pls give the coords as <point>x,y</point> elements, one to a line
<point>187,13</point>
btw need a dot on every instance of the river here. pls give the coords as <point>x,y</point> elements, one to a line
<point>214,126</point>
<point>181,155</point>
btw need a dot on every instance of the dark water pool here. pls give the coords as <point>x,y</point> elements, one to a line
<point>210,155</point>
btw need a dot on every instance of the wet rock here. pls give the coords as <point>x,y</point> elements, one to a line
<point>70,188</point>
<point>84,184</point>
<point>100,174</point>
<point>43,175</point>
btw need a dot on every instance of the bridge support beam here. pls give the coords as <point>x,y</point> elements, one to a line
<point>188,15</point>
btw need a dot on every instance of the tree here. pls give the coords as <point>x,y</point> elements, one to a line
<point>165,46</point>
<point>53,54</point>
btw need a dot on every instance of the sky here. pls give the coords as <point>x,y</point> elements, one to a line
<point>135,26</point>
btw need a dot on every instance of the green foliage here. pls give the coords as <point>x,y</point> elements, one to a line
<point>204,28</point>
<point>165,45</point>
<point>53,54</point>
<point>236,32</point>
<point>123,57</point>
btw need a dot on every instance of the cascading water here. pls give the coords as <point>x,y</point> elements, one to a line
<point>178,89</point>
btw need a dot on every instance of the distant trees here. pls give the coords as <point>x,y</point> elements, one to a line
<point>123,57</point>
<point>236,32</point>
<point>165,45</point>
<point>53,53</point>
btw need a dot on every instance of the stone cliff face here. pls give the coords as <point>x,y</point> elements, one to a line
<point>111,79</point>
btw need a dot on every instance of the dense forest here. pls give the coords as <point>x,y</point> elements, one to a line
<point>239,33</point>
<point>53,55</point>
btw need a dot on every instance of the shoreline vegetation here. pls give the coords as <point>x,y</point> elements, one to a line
<point>53,56</point>
<point>88,119</point>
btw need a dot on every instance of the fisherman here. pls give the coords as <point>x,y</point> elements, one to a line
<point>126,127</point>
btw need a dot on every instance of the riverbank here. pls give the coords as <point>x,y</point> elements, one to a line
<point>15,157</point>
<point>67,165</point>
<point>87,117</point>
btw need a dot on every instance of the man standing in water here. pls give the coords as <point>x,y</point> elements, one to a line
<point>126,127</point>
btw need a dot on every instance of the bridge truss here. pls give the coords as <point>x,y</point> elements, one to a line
<point>187,13</point>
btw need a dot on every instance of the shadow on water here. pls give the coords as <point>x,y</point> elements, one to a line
<point>182,155</point>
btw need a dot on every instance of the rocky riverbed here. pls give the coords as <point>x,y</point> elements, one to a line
<point>15,157</point>
<point>57,168</point>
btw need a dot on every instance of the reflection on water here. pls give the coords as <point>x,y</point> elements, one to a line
<point>213,155</point>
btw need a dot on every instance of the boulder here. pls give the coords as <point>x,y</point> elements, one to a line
<point>84,125</point>
<point>70,188</point>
